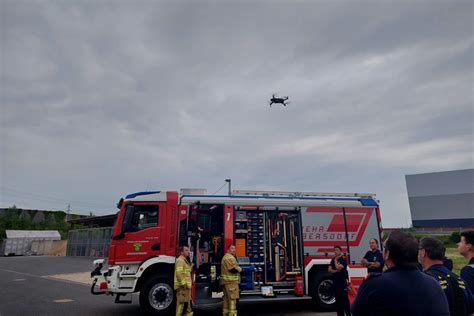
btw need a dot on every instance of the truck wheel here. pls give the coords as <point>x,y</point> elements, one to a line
<point>157,296</point>
<point>322,291</point>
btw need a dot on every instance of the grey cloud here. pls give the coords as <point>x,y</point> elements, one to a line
<point>100,98</point>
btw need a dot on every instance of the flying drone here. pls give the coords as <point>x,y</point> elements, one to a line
<point>281,100</point>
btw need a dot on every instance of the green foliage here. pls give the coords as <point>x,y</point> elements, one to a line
<point>410,230</point>
<point>455,237</point>
<point>448,240</point>
<point>23,220</point>
<point>458,260</point>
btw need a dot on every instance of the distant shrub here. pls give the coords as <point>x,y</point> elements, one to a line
<point>445,239</point>
<point>455,237</point>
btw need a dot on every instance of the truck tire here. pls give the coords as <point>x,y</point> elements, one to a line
<point>157,296</point>
<point>322,292</point>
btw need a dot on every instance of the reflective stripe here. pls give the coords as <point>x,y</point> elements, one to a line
<point>182,273</point>
<point>182,282</point>
<point>179,310</point>
<point>228,277</point>
<point>232,308</point>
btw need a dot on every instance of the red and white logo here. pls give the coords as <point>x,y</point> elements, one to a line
<point>325,227</point>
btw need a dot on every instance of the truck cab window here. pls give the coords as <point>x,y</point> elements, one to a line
<point>139,217</point>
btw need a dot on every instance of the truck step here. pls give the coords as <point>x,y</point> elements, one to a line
<point>119,301</point>
<point>278,297</point>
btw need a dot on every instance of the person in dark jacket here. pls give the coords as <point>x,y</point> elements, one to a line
<point>402,289</point>
<point>338,269</point>
<point>466,248</point>
<point>431,256</point>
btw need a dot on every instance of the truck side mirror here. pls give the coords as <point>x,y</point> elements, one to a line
<point>119,204</point>
<point>127,222</point>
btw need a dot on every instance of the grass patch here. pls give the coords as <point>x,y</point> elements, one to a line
<point>458,260</point>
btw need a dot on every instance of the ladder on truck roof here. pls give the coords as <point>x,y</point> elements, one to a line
<point>302,194</point>
<point>280,199</point>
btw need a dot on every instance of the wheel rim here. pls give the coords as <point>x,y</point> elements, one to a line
<point>160,296</point>
<point>326,292</point>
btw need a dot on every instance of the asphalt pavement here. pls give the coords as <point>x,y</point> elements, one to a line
<point>40,285</point>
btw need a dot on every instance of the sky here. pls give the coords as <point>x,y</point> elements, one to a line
<point>104,98</point>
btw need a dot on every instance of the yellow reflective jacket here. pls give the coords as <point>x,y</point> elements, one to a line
<point>228,263</point>
<point>182,273</point>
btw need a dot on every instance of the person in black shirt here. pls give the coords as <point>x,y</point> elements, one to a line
<point>402,290</point>
<point>466,248</point>
<point>431,256</point>
<point>373,259</point>
<point>338,268</point>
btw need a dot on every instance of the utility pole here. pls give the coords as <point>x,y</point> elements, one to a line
<point>229,182</point>
<point>68,212</point>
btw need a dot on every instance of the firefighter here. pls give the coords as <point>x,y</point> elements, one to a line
<point>402,289</point>
<point>182,283</point>
<point>230,279</point>
<point>431,256</point>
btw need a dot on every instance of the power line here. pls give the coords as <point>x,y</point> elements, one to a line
<point>50,201</point>
<point>33,195</point>
<point>26,196</point>
<point>225,183</point>
<point>46,196</point>
<point>27,204</point>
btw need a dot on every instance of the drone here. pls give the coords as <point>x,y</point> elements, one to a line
<point>275,100</point>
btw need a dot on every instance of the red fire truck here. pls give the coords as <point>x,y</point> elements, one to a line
<point>284,243</point>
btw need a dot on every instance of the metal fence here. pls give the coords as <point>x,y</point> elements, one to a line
<point>90,242</point>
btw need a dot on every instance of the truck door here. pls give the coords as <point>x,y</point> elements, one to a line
<point>206,241</point>
<point>140,236</point>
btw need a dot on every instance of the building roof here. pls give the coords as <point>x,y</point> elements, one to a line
<point>32,234</point>
<point>101,221</point>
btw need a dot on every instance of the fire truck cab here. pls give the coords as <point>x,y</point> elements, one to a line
<point>284,243</point>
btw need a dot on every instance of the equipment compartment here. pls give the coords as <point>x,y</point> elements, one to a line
<point>273,246</point>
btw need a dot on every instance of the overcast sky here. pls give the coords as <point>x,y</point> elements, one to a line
<point>103,98</point>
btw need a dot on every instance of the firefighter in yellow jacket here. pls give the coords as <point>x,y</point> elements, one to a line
<point>182,283</point>
<point>230,279</point>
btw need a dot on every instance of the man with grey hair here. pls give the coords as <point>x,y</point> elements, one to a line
<point>431,255</point>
